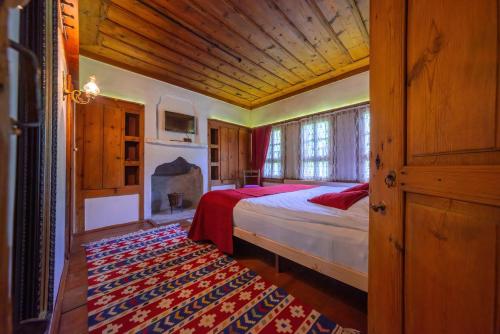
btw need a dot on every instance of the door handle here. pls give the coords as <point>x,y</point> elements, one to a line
<point>379,207</point>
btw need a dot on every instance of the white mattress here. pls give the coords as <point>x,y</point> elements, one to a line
<point>339,236</point>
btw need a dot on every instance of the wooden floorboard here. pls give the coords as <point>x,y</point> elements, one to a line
<point>341,303</point>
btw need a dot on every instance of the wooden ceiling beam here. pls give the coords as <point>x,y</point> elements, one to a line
<point>150,58</point>
<point>138,66</point>
<point>300,14</point>
<point>156,25</point>
<point>237,22</point>
<point>359,21</point>
<point>328,28</point>
<point>135,40</point>
<point>190,16</point>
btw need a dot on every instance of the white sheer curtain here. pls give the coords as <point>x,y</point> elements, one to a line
<point>273,167</point>
<point>316,148</point>
<point>345,153</point>
<point>364,144</point>
<point>292,150</point>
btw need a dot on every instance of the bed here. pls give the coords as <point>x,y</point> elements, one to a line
<point>328,240</point>
<point>280,219</point>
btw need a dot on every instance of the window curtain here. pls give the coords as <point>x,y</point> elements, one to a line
<point>345,152</point>
<point>260,144</point>
<point>292,150</point>
<point>316,148</point>
<point>364,144</point>
<point>351,153</point>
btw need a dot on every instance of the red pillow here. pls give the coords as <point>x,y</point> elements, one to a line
<point>362,186</point>
<point>342,200</point>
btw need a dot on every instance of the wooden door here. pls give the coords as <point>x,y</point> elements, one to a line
<point>435,86</point>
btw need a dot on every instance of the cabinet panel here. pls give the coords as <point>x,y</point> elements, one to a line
<point>113,149</point>
<point>244,149</point>
<point>452,77</point>
<point>450,265</point>
<point>224,153</point>
<point>92,145</point>
<point>233,153</point>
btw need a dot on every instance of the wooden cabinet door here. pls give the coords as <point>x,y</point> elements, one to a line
<point>113,150</point>
<point>92,153</point>
<point>435,250</point>
<point>233,154</point>
<point>244,149</point>
<point>224,153</point>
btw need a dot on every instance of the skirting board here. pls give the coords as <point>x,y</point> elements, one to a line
<point>337,271</point>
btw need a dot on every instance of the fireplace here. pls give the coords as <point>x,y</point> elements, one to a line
<point>178,176</point>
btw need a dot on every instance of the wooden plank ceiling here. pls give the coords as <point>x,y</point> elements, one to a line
<point>244,52</point>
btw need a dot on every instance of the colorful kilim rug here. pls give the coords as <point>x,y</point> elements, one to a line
<point>159,281</point>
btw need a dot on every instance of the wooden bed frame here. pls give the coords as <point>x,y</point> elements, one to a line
<point>337,271</point>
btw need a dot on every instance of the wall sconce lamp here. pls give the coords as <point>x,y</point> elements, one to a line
<point>89,92</point>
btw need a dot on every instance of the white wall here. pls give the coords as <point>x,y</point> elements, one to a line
<point>126,85</point>
<point>13,60</point>
<point>61,172</point>
<point>348,91</point>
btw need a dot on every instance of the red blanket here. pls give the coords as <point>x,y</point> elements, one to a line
<point>214,215</point>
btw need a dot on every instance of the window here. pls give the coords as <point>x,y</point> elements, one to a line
<point>316,149</point>
<point>273,168</point>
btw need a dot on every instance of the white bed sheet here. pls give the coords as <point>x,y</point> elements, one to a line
<point>339,236</point>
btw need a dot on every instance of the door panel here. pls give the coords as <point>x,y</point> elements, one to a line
<point>233,153</point>
<point>450,265</point>
<point>224,154</point>
<point>451,77</point>
<point>113,149</point>
<point>92,145</point>
<point>243,148</point>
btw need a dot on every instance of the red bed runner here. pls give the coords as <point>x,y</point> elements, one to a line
<point>214,215</point>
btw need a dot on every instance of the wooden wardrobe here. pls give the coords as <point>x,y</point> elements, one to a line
<point>228,152</point>
<point>110,152</point>
<point>434,254</point>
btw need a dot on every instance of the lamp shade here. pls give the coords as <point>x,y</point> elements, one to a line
<point>91,87</point>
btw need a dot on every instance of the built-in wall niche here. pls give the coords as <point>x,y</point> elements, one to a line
<point>131,175</point>
<point>214,136</point>
<point>214,154</point>
<point>131,151</point>
<point>132,124</point>
<point>214,172</point>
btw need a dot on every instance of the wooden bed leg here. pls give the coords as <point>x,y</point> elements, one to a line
<point>277,266</point>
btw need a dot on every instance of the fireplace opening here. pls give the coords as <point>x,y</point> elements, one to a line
<point>176,177</point>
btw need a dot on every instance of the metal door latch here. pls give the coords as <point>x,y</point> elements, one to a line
<point>390,179</point>
<point>380,207</point>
